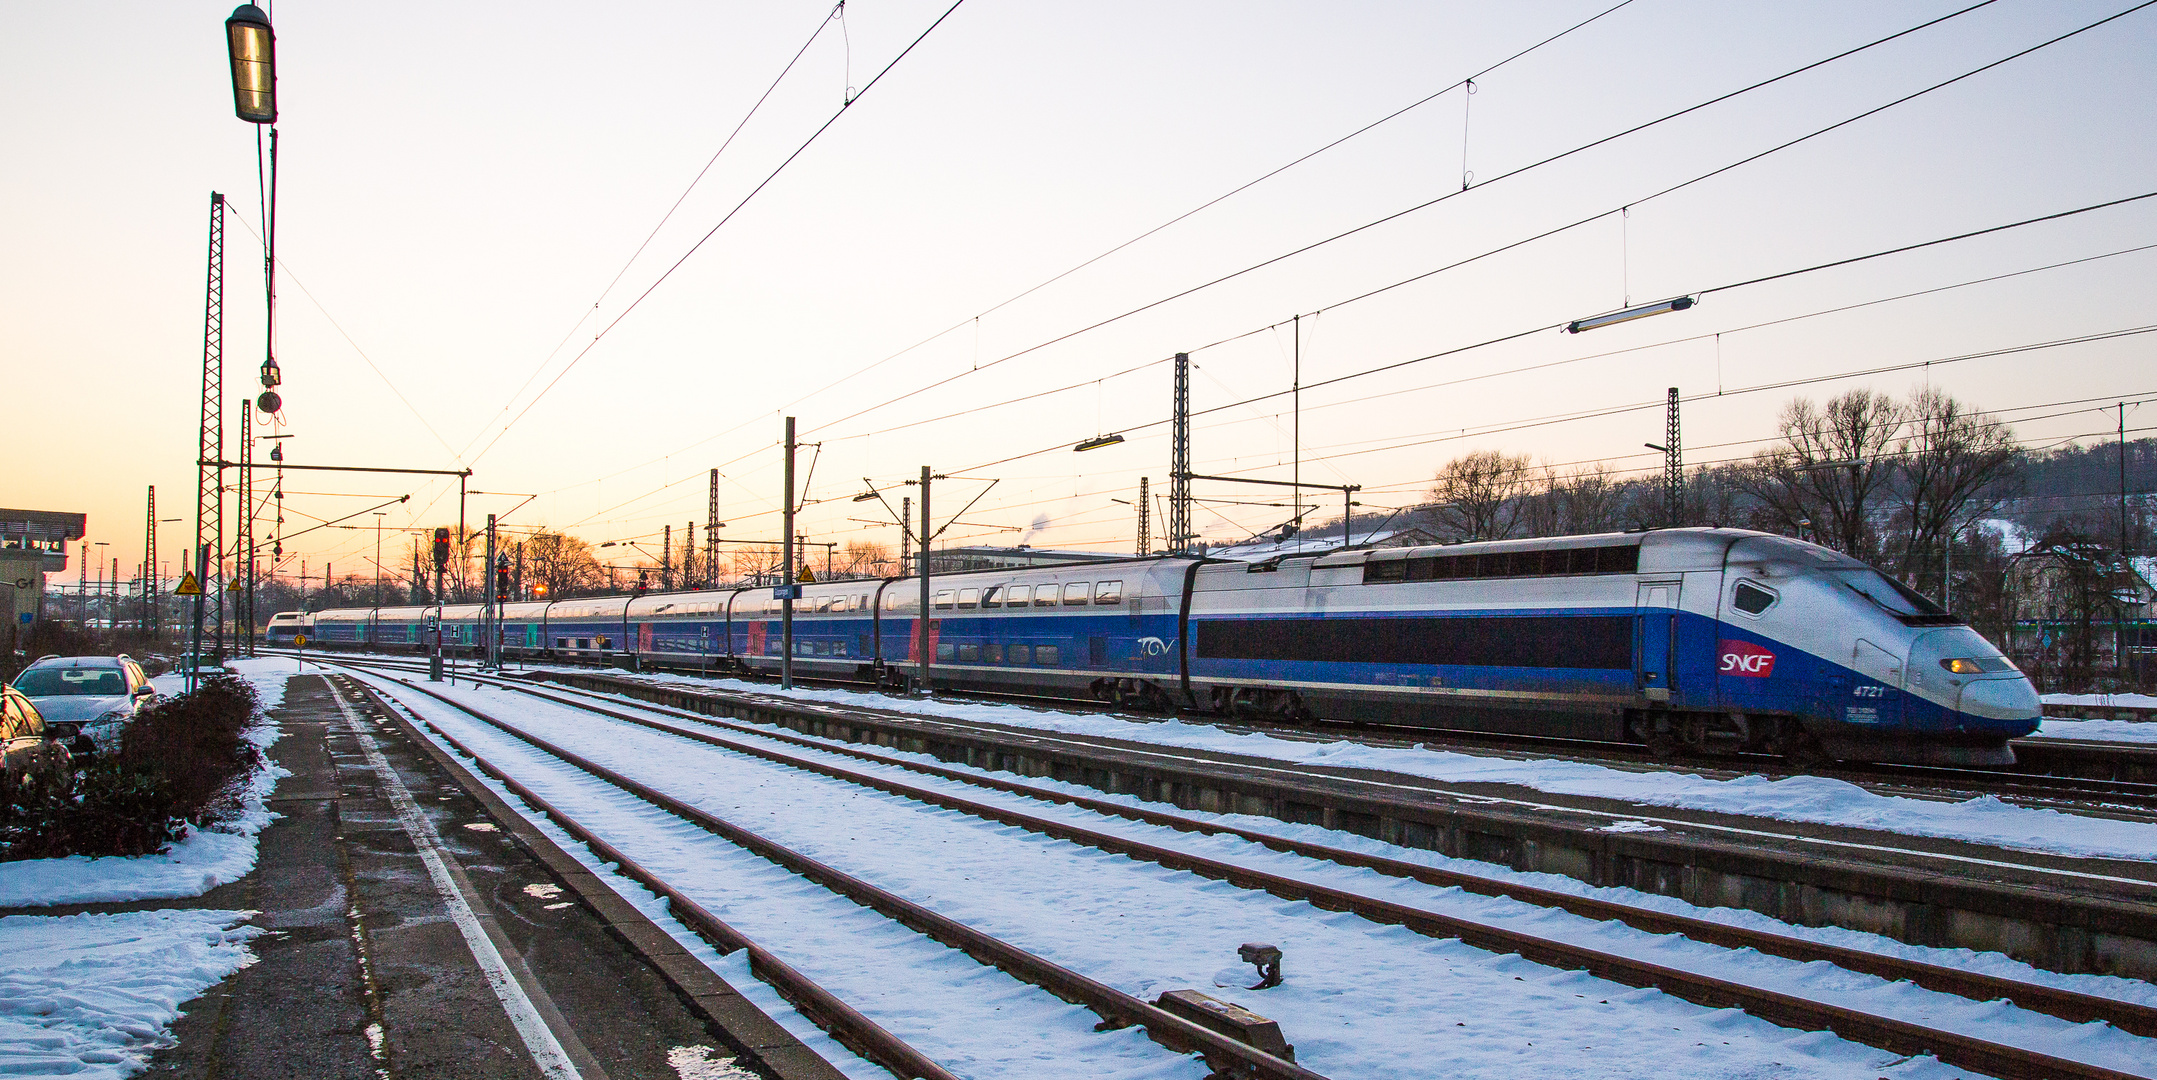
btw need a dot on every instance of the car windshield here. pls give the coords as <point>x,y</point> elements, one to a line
<point>1888,593</point>
<point>56,682</point>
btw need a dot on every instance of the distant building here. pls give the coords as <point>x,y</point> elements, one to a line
<point>2077,605</point>
<point>33,543</point>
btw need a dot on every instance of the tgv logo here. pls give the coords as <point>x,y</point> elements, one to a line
<point>1743,658</point>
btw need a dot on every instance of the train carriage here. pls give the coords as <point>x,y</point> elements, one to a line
<point>1681,639</point>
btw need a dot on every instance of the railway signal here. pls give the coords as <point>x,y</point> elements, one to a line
<point>441,548</point>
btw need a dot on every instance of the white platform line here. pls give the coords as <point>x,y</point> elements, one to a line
<point>539,1039</point>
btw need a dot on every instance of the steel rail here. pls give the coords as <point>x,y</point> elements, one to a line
<point>841,1021</point>
<point>2065,1004</point>
<point>1782,1009</point>
<point>1116,1008</point>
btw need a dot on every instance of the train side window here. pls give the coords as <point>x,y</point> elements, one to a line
<point>993,653</point>
<point>1108,592</point>
<point>943,599</point>
<point>823,604</point>
<point>1077,592</point>
<point>1017,595</point>
<point>1045,595</point>
<point>1752,599</point>
<point>992,596</point>
<point>969,597</point>
<point>969,652</point>
<point>1046,655</point>
<point>1390,570</point>
<point>946,650</point>
<point>1020,653</point>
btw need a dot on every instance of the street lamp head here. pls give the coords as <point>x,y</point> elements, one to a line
<point>866,496</point>
<point>254,64</point>
<point>269,402</point>
<point>1098,441</point>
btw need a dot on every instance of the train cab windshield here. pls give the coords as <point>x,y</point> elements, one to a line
<point>1895,598</point>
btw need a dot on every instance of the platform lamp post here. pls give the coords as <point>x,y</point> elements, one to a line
<point>252,46</point>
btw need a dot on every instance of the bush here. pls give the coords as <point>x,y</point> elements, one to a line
<point>180,762</point>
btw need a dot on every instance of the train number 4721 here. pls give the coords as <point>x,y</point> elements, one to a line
<point>1869,691</point>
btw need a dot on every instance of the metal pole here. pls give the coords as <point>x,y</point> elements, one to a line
<point>486,616</point>
<point>1348,513</point>
<point>906,536</point>
<point>786,582</point>
<point>243,615</point>
<point>1295,389</point>
<point>927,626</point>
<point>2119,638</point>
<point>464,551</point>
<point>666,558</point>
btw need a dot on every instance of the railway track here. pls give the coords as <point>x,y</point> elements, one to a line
<point>1889,1033</point>
<point>2106,796</point>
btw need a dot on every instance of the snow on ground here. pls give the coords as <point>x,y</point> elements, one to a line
<point>2126,731</point>
<point>1812,799</point>
<point>92,995</point>
<point>1362,999</point>
<point>198,862</point>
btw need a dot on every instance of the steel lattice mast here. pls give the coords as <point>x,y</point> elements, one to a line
<point>1179,465</point>
<point>1673,464</point>
<point>711,534</point>
<point>210,449</point>
<point>1145,519</point>
<point>149,567</point>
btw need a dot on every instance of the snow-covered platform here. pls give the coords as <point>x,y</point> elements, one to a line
<point>401,922</point>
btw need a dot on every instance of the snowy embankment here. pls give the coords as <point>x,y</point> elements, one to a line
<point>201,861</point>
<point>1809,799</point>
<point>93,995</point>
<point>2125,731</point>
<point>1361,999</point>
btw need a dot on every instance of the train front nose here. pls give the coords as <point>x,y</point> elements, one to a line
<point>2009,705</point>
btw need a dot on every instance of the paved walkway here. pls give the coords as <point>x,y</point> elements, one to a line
<point>368,971</point>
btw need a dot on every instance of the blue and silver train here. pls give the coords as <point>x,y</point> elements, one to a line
<point>1698,640</point>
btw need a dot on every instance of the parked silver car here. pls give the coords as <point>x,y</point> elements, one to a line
<point>87,700</point>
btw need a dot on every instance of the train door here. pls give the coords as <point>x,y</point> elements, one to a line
<point>1655,633</point>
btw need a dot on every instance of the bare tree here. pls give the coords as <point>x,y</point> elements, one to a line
<point>1483,494</point>
<point>1831,469</point>
<point>1955,465</point>
<point>867,558</point>
<point>557,564</point>
<point>1587,499</point>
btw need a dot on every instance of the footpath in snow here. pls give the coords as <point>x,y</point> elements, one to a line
<point>1810,799</point>
<point>92,995</point>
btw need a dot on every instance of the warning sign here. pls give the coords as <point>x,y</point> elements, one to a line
<point>234,586</point>
<point>300,640</point>
<point>807,575</point>
<point>188,585</point>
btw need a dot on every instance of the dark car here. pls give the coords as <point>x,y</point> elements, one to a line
<point>31,758</point>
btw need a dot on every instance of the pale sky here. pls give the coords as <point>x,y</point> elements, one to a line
<point>461,182</point>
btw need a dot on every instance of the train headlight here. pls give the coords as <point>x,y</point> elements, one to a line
<point>1961,666</point>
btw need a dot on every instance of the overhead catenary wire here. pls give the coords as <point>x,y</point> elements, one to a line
<point>975,320</point>
<point>729,216</point>
<point>1520,170</point>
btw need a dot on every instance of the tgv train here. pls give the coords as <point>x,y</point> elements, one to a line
<point>1681,639</point>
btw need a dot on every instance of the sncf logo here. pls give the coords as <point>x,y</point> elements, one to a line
<point>1743,658</point>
